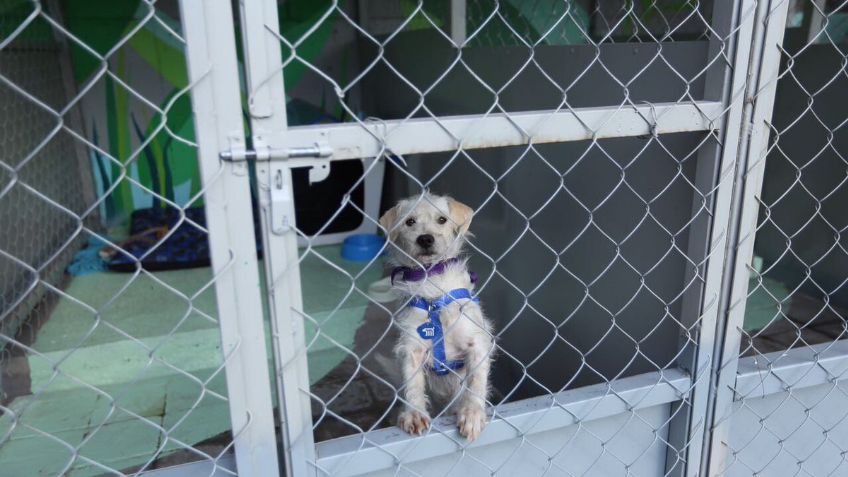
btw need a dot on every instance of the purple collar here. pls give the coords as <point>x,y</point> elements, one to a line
<point>409,274</point>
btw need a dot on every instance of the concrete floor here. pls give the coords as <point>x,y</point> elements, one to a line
<point>110,403</point>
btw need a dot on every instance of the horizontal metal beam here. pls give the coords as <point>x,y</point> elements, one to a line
<point>758,376</point>
<point>380,449</point>
<point>424,135</point>
<point>224,465</point>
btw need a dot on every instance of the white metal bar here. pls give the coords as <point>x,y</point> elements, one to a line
<point>424,135</point>
<point>266,96</point>
<point>213,69</point>
<point>707,236</point>
<point>458,21</point>
<point>376,450</point>
<point>759,376</point>
<point>770,23</point>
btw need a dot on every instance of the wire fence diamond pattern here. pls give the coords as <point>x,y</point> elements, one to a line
<point>787,414</point>
<point>625,161</point>
<point>87,388</point>
<point>539,205</point>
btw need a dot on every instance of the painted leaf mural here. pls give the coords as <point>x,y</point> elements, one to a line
<point>151,146</point>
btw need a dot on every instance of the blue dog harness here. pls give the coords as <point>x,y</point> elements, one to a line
<point>432,330</point>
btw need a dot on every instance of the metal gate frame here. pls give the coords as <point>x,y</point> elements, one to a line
<point>216,106</point>
<point>688,387</point>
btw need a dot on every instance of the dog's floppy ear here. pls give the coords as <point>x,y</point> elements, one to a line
<point>460,215</point>
<point>389,219</point>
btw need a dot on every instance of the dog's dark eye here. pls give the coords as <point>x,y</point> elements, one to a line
<point>442,220</point>
<point>410,222</point>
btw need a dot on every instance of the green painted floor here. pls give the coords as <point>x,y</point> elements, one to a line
<point>139,366</point>
<point>762,307</point>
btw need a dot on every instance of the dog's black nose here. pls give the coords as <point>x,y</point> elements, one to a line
<point>425,241</point>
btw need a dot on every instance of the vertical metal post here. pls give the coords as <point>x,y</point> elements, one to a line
<point>770,25</point>
<point>458,21</point>
<point>732,25</point>
<point>213,69</point>
<point>266,96</point>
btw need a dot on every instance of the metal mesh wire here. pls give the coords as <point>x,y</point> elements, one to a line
<point>788,415</point>
<point>93,379</point>
<point>592,253</point>
<point>651,20</point>
<point>548,22</point>
<point>32,229</point>
<point>583,249</point>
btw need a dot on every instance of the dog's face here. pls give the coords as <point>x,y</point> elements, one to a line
<point>427,228</point>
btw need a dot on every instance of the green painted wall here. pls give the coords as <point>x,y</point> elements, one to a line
<point>133,153</point>
<point>142,155</point>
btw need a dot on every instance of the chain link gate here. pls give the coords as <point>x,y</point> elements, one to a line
<point>641,413</point>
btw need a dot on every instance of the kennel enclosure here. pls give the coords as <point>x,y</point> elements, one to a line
<point>658,192</point>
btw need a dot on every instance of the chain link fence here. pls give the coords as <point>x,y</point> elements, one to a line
<point>111,361</point>
<point>35,62</point>
<point>788,310</point>
<point>610,152</point>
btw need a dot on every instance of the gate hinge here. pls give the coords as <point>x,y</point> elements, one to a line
<point>236,154</point>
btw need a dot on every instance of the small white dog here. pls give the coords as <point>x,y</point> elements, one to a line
<point>446,344</point>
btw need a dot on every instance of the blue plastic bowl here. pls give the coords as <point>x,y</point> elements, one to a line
<point>362,247</point>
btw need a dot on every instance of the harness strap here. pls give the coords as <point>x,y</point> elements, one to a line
<point>409,274</point>
<point>432,329</point>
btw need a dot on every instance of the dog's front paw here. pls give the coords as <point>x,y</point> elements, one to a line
<point>471,419</point>
<point>414,422</point>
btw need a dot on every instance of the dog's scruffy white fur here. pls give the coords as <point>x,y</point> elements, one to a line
<point>467,333</point>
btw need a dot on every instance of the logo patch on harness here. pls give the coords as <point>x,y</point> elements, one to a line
<point>427,330</point>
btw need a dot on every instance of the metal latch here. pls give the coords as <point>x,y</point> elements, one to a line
<point>315,157</point>
<point>267,154</point>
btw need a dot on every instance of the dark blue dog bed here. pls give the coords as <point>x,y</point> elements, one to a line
<point>185,247</point>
